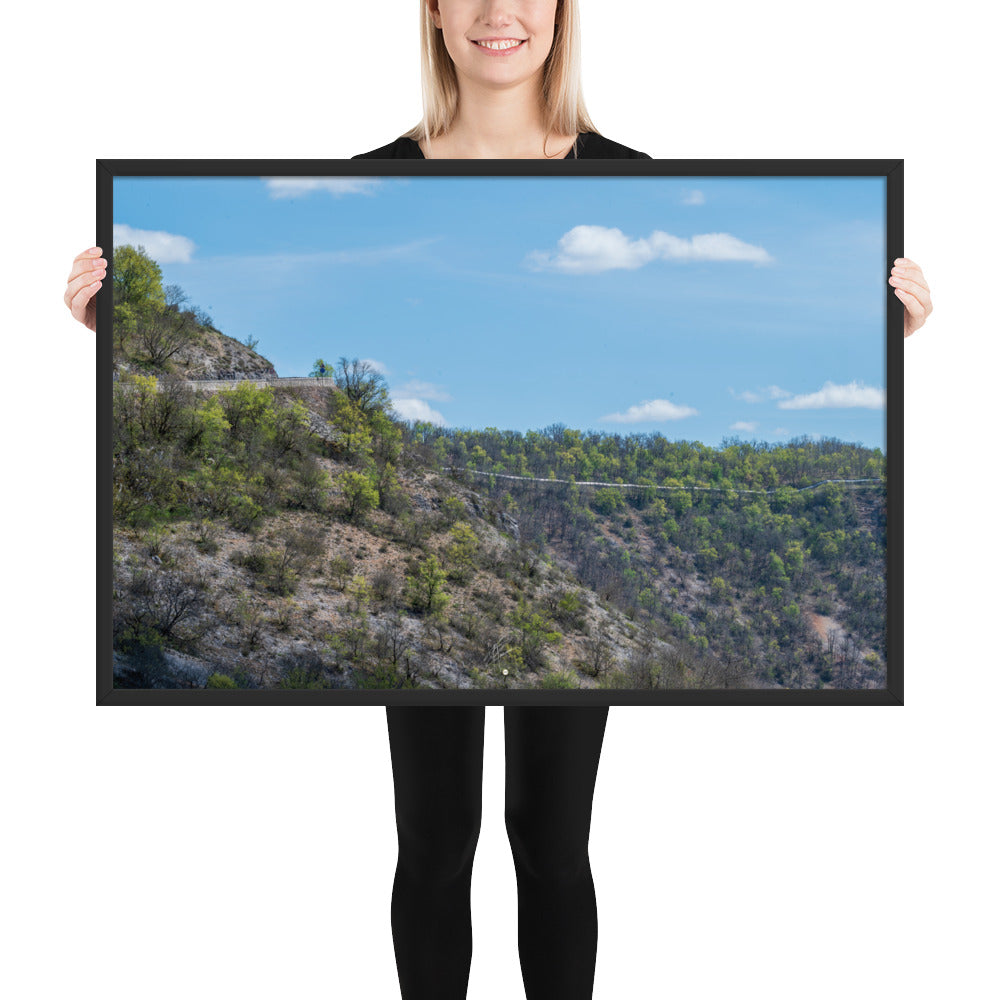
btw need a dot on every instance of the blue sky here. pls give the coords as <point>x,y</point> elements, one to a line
<point>697,307</point>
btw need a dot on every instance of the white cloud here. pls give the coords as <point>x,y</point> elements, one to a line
<point>417,409</point>
<point>853,394</point>
<point>591,249</point>
<point>782,431</point>
<point>377,365</point>
<point>743,425</point>
<point>424,390</point>
<point>651,409</point>
<point>694,197</point>
<point>164,248</point>
<point>771,392</point>
<point>295,187</point>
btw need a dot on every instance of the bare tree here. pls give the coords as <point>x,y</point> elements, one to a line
<point>598,654</point>
<point>174,296</point>
<point>160,335</point>
<point>363,385</point>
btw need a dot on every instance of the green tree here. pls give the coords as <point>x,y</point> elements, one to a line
<point>321,369</point>
<point>349,420</point>
<point>386,437</point>
<point>359,493</point>
<point>136,279</point>
<point>607,500</point>
<point>534,631</point>
<point>425,589</point>
<point>462,550</point>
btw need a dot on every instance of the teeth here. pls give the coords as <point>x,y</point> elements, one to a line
<point>498,45</point>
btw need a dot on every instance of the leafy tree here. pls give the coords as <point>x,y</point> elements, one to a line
<point>452,509</point>
<point>534,632</point>
<point>349,419</point>
<point>359,493</point>
<point>607,500</point>
<point>425,589</point>
<point>248,408</point>
<point>386,437</point>
<point>321,369</point>
<point>462,550</point>
<point>360,592</point>
<point>136,279</point>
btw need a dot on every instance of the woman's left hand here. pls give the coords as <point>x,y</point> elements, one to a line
<point>911,289</point>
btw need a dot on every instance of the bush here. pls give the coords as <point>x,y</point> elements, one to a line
<point>385,584</point>
<point>221,681</point>
<point>425,589</point>
<point>341,567</point>
<point>141,643</point>
<point>360,496</point>
<point>244,514</point>
<point>559,679</point>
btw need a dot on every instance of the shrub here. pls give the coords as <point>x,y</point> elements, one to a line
<point>341,567</point>
<point>385,584</point>
<point>360,496</point>
<point>559,679</point>
<point>221,681</point>
<point>425,589</point>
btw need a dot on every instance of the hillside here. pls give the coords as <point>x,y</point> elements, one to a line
<point>302,537</point>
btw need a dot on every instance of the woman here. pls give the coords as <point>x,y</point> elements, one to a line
<point>501,79</point>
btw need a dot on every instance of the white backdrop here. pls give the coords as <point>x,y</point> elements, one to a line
<point>737,853</point>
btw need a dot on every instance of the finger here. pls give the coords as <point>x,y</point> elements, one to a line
<point>82,281</point>
<point>910,273</point>
<point>85,264</point>
<point>78,303</point>
<point>913,288</point>
<point>87,254</point>
<point>912,304</point>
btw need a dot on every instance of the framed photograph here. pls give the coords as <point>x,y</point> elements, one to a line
<point>477,432</point>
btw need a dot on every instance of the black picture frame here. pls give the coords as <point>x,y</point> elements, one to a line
<point>889,169</point>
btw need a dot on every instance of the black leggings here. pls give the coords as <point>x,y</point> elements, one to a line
<point>552,755</point>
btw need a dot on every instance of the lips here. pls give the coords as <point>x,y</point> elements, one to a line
<point>499,52</point>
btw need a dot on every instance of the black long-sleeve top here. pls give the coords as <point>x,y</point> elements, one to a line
<point>588,146</point>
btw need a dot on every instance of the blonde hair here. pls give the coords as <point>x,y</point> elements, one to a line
<point>564,111</point>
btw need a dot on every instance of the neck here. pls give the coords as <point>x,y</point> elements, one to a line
<point>501,123</point>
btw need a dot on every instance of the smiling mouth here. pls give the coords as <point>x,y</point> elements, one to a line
<point>504,46</point>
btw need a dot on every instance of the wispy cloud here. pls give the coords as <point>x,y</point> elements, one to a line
<point>770,392</point>
<point>297,187</point>
<point>377,365</point>
<point>693,197</point>
<point>650,410</point>
<point>164,248</point>
<point>423,390</point>
<point>853,394</point>
<point>743,425</point>
<point>272,267</point>
<point>591,249</point>
<point>417,409</point>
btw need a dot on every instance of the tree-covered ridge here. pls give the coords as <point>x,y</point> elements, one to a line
<point>564,453</point>
<point>308,537</point>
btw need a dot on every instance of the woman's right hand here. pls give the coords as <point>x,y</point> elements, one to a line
<point>84,279</point>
